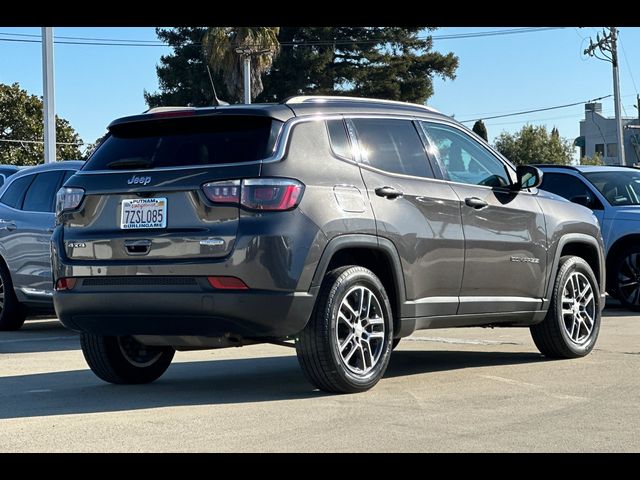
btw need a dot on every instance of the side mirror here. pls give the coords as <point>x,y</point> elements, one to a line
<point>584,200</point>
<point>528,177</point>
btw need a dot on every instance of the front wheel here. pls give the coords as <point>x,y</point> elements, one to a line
<point>346,346</point>
<point>124,360</point>
<point>571,327</point>
<point>625,278</point>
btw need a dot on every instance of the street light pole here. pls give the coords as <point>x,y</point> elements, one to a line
<point>48,91</point>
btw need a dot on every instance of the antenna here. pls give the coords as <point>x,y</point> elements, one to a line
<point>216,100</point>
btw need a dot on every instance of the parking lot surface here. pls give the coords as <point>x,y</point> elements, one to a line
<point>445,390</point>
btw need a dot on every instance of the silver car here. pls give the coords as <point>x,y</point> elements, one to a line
<point>27,203</point>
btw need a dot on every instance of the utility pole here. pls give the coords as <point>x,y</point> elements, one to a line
<point>246,54</point>
<point>48,96</point>
<point>608,48</point>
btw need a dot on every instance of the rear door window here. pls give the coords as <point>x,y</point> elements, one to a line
<point>393,146</point>
<point>191,141</point>
<point>41,193</point>
<point>14,195</point>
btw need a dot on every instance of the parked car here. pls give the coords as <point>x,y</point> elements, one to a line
<point>27,218</point>
<point>342,224</point>
<point>6,171</point>
<point>613,194</point>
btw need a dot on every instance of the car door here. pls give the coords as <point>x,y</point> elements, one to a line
<point>27,239</point>
<point>417,213</point>
<point>504,230</point>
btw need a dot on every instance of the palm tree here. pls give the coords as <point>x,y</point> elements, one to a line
<point>220,50</point>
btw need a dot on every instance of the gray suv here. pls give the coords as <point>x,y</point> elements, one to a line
<point>341,224</point>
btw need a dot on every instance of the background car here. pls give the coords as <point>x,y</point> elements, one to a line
<point>27,203</point>
<point>613,194</point>
<point>6,171</point>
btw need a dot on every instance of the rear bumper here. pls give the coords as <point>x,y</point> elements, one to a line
<point>169,312</point>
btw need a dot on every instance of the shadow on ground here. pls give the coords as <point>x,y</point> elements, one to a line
<point>209,383</point>
<point>39,336</point>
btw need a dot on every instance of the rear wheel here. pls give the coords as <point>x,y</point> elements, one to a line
<point>124,360</point>
<point>12,313</point>
<point>571,327</point>
<point>346,345</point>
<point>625,278</point>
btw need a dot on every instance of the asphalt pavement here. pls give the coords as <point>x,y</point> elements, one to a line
<point>451,390</point>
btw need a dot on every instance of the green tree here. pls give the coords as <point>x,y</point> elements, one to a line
<point>534,144</point>
<point>219,49</point>
<point>182,75</point>
<point>393,63</point>
<point>22,129</point>
<point>480,129</point>
<point>596,159</point>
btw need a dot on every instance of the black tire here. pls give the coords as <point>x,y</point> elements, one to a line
<point>395,343</point>
<point>624,278</point>
<point>553,336</point>
<point>12,313</point>
<point>317,345</point>
<point>123,360</point>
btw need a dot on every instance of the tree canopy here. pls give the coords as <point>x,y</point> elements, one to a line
<point>22,129</point>
<point>219,49</point>
<point>395,63</point>
<point>534,144</point>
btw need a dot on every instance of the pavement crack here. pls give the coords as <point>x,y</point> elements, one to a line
<point>458,341</point>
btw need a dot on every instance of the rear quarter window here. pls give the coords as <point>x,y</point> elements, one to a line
<point>192,141</point>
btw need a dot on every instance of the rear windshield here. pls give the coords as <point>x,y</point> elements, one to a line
<point>178,142</point>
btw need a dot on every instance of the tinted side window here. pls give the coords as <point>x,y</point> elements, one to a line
<point>41,192</point>
<point>15,193</point>
<point>67,175</point>
<point>567,186</point>
<point>339,140</point>
<point>464,159</point>
<point>393,146</point>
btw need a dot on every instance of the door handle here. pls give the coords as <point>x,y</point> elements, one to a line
<point>475,202</point>
<point>10,226</point>
<point>389,192</point>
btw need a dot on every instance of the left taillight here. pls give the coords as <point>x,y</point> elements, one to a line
<point>258,194</point>
<point>68,199</point>
<point>65,283</point>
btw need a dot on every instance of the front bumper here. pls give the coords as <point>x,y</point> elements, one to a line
<point>166,310</point>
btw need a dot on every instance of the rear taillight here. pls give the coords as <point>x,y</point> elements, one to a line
<point>223,192</point>
<point>65,283</point>
<point>68,199</point>
<point>263,194</point>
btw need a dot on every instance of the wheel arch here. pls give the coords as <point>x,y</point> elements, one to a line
<point>583,246</point>
<point>377,254</point>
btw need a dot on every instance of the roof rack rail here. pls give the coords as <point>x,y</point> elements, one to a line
<point>337,98</point>
<point>167,109</point>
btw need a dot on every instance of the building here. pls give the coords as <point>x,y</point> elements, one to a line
<point>598,134</point>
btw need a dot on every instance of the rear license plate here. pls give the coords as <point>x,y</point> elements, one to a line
<point>144,213</point>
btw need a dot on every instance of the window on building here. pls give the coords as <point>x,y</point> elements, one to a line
<point>612,150</point>
<point>600,149</point>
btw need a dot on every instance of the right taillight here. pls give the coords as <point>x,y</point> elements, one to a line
<point>260,194</point>
<point>68,199</point>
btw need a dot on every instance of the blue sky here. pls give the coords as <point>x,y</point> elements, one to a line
<point>500,74</point>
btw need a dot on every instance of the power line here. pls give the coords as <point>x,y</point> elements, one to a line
<point>11,140</point>
<point>33,38</point>
<point>624,53</point>
<point>535,110</point>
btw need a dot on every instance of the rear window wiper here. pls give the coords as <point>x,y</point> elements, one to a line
<point>130,163</point>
